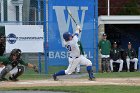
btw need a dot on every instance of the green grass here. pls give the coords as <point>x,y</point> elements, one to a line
<point>85,89</point>
<point>97,75</point>
<point>82,89</point>
<point>33,77</point>
<point>118,75</point>
<point>30,74</point>
<point>51,69</point>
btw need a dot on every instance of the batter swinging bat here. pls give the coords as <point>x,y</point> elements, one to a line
<point>72,17</point>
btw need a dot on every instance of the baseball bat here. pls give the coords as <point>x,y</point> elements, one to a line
<point>72,17</point>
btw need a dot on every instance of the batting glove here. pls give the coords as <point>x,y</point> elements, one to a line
<point>78,28</point>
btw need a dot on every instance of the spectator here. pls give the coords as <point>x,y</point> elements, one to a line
<point>115,57</point>
<point>105,47</point>
<point>131,56</point>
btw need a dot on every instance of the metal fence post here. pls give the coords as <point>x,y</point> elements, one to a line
<point>96,32</point>
<point>39,23</point>
<point>45,36</point>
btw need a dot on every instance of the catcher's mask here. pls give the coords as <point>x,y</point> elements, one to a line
<point>15,52</point>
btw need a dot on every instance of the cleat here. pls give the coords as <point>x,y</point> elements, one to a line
<point>13,79</point>
<point>92,79</point>
<point>55,77</point>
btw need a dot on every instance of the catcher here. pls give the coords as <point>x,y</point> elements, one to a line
<point>13,65</point>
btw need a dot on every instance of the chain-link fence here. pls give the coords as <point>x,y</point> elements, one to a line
<point>28,12</point>
<point>31,12</point>
<point>24,12</point>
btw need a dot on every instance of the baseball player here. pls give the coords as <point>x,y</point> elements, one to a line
<point>75,57</point>
<point>105,47</point>
<point>115,56</point>
<point>14,65</point>
<point>131,56</point>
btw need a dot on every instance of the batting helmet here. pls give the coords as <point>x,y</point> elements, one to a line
<point>16,52</point>
<point>66,36</point>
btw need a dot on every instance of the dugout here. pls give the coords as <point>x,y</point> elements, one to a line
<point>121,29</point>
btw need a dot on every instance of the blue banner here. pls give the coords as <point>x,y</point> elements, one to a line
<point>59,21</point>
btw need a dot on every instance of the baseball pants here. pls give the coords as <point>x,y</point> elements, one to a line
<point>74,62</point>
<point>135,60</point>
<point>14,71</point>
<point>117,61</point>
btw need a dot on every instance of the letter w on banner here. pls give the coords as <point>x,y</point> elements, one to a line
<point>59,21</point>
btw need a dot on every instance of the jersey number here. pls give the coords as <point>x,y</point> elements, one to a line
<point>69,48</point>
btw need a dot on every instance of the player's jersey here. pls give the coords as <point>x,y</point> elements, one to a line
<point>73,47</point>
<point>7,61</point>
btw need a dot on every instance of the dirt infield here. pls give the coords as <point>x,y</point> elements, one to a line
<point>72,82</point>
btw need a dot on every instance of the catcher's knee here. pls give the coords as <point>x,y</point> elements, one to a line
<point>89,63</point>
<point>68,72</point>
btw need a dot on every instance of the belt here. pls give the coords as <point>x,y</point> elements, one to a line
<point>72,57</point>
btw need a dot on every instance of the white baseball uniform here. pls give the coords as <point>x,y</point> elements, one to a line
<point>74,55</point>
<point>135,60</point>
<point>117,61</point>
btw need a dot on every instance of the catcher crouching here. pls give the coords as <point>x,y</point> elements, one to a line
<point>13,65</point>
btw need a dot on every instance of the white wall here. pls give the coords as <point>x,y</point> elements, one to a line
<point>11,11</point>
<point>2,15</point>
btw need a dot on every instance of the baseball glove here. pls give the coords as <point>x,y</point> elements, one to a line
<point>35,68</point>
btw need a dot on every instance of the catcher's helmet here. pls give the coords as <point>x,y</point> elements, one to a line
<point>66,36</point>
<point>16,52</point>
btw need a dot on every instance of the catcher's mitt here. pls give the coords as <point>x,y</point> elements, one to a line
<point>35,68</point>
